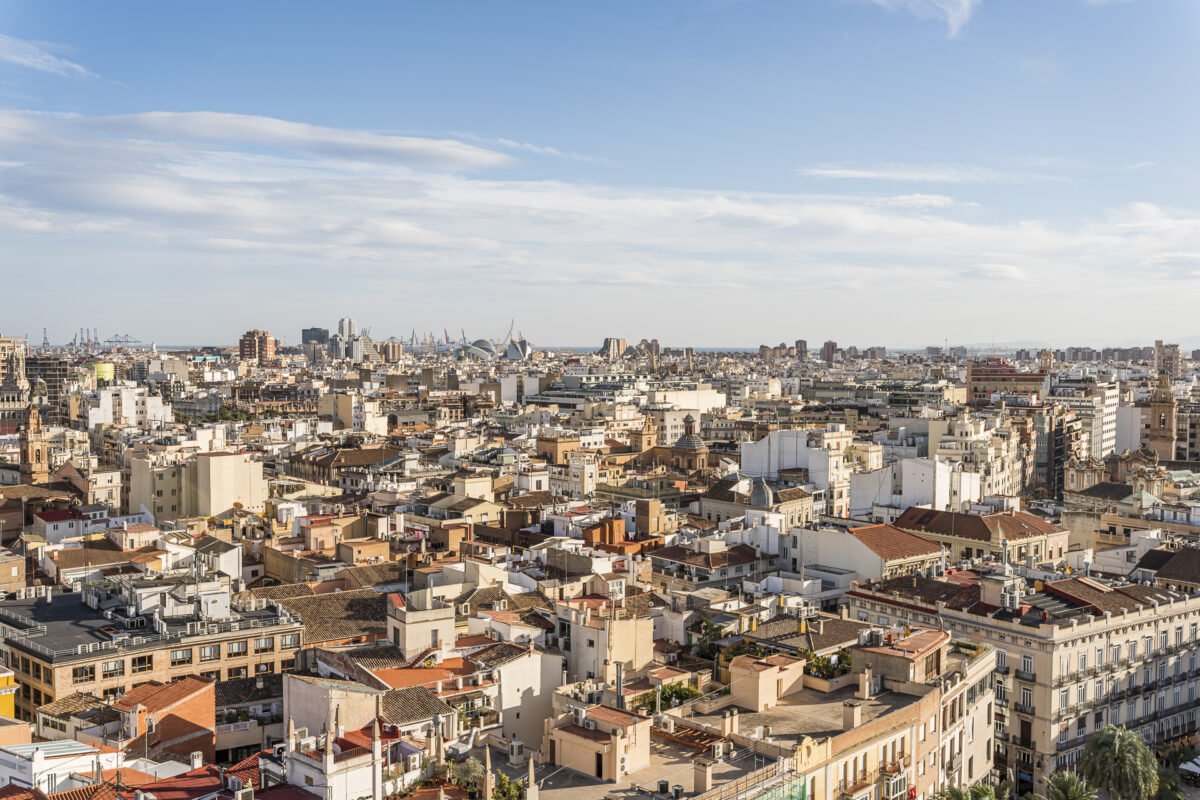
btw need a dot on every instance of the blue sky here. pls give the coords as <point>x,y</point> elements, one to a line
<point>713,173</point>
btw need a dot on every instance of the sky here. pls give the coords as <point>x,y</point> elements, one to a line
<point>708,173</point>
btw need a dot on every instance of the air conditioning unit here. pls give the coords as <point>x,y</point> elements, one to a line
<point>301,733</point>
<point>590,724</point>
<point>244,794</point>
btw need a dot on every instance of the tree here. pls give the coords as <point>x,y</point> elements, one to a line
<point>1067,786</point>
<point>953,793</point>
<point>507,789</point>
<point>1117,762</point>
<point>470,771</point>
<point>1170,783</point>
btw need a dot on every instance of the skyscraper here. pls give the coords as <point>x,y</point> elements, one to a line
<point>256,345</point>
<point>314,336</point>
<point>347,327</point>
<point>827,351</point>
<point>802,349</point>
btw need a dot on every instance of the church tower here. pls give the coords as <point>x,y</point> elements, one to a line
<point>35,450</point>
<point>1159,435</point>
<point>642,440</point>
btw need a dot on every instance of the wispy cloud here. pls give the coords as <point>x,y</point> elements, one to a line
<point>924,173</point>
<point>34,56</point>
<point>954,14</point>
<point>283,204</point>
<point>241,129</point>
<point>528,147</point>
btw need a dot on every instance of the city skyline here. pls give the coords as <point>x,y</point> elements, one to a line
<point>399,162</point>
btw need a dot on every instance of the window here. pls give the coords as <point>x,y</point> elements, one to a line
<point>236,649</point>
<point>264,645</point>
<point>210,652</point>
<point>1026,663</point>
<point>180,658</point>
<point>1002,659</point>
<point>113,669</point>
<point>83,674</point>
<point>289,641</point>
<point>142,664</point>
<point>236,672</point>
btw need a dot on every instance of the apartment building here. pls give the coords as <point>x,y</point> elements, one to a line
<point>58,643</point>
<point>1072,655</point>
<point>195,484</point>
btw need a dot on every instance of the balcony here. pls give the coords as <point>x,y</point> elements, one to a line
<point>1030,677</point>
<point>1071,744</point>
<point>854,786</point>
<point>893,768</point>
<point>1021,708</point>
<point>1002,669</point>
<point>1001,702</point>
<point>954,763</point>
<point>1165,682</point>
<point>1021,742</point>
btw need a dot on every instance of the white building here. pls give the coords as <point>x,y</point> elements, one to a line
<point>930,482</point>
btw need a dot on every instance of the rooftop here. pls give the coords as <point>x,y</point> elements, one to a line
<point>812,713</point>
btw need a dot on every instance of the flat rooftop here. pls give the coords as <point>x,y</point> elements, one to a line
<point>69,622</point>
<point>811,713</point>
<point>668,761</point>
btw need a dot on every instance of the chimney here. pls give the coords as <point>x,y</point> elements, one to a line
<point>196,759</point>
<point>733,721</point>
<point>851,714</point>
<point>864,684</point>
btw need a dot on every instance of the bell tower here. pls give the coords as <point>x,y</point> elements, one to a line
<point>1159,435</point>
<point>35,451</point>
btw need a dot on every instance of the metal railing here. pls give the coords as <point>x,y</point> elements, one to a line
<point>1022,675</point>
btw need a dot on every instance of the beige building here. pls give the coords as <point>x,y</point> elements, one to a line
<point>1015,536</point>
<point>196,484</point>
<point>1072,656</point>
<point>604,742</point>
<point>57,645</point>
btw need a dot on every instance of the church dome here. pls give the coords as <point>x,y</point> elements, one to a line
<point>762,495</point>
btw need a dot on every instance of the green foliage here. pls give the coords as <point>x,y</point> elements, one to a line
<point>1067,786</point>
<point>1117,762</point>
<point>670,693</point>
<point>828,666</point>
<point>507,789</point>
<point>469,772</point>
<point>710,634</point>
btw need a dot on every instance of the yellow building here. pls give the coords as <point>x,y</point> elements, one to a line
<point>8,693</point>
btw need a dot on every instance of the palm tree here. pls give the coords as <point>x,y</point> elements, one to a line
<point>981,791</point>
<point>953,793</point>
<point>1170,785</point>
<point>1117,761</point>
<point>1067,786</point>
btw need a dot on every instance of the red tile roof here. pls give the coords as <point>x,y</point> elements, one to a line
<point>890,543</point>
<point>157,696</point>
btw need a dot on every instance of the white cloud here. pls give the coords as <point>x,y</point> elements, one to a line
<point>919,201</point>
<point>336,143</point>
<point>954,14</point>
<point>33,56</point>
<point>528,147</point>
<point>924,173</point>
<point>316,216</point>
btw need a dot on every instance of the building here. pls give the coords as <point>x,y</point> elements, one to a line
<point>1167,359</point>
<point>828,351</point>
<point>314,336</point>
<point>256,346</point>
<point>1072,655</point>
<point>996,376</point>
<point>613,348</point>
<point>1159,420</point>
<point>59,644</point>
<point>1012,536</point>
